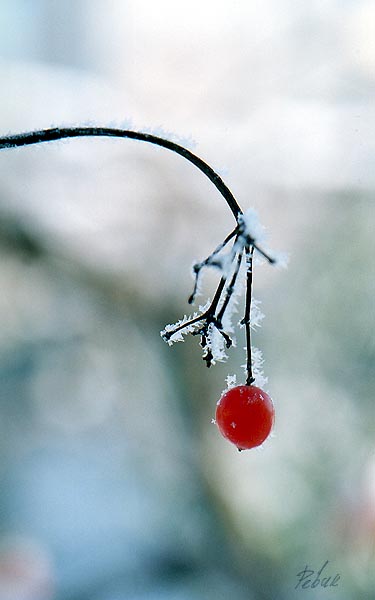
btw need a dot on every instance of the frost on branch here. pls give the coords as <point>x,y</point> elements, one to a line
<point>257,367</point>
<point>281,259</point>
<point>252,226</point>
<point>256,315</point>
<point>215,345</point>
<point>176,331</point>
<point>213,323</point>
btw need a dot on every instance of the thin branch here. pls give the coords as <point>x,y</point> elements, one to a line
<point>209,261</point>
<point>57,133</point>
<point>243,243</point>
<point>270,259</point>
<point>249,250</point>
<point>207,315</point>
<point>230,289</point>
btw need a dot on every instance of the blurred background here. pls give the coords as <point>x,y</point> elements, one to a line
<point>114,484</point>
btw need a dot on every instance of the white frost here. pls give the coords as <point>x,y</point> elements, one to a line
<point>178,336</point>
<point>257,367</point>
<point>252,226</point>
<point>256,315</point>
<point>183,326</point>
<point>231,381</point>
<point>282,259</point>
<point>216,343</point>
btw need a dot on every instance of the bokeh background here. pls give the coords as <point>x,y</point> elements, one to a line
<point>114,483</point>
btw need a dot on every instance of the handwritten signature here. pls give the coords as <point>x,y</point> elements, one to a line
<point>308,578</point>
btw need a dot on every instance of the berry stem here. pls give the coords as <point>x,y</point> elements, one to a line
<point>249,251</point>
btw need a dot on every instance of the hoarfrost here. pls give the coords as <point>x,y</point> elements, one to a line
<point>257,367</point>
<point>232,308</point>
<point>256,315</point>
<point>251,225</point>
<point>183,329</point>
<point>204,307</point>
<point>216,344</point>
<point>281,259</point>
<point>214,320</point>
<point>184,326</point>
<point>231,380</point>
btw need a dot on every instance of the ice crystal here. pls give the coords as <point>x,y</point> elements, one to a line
<point>215,345</point>
<point>231,381</point>
<point>183,327</point>
<point>257,367</point>
<point>256,315</point>
<point>281,259</point>
<point>251,225</point>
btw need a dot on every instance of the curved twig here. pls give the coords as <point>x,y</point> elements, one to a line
<point>243,244</point>
<point>59,133</point>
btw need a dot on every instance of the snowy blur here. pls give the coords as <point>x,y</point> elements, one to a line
<point>114,483</point>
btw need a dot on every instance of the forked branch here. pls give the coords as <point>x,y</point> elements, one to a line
<point>213,323</point>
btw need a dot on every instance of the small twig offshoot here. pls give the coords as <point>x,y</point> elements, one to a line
<point>214,321</point>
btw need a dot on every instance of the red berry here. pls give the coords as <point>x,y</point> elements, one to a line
<point>245,415</point>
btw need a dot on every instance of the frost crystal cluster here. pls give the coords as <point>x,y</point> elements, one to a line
<point>214,321</point>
